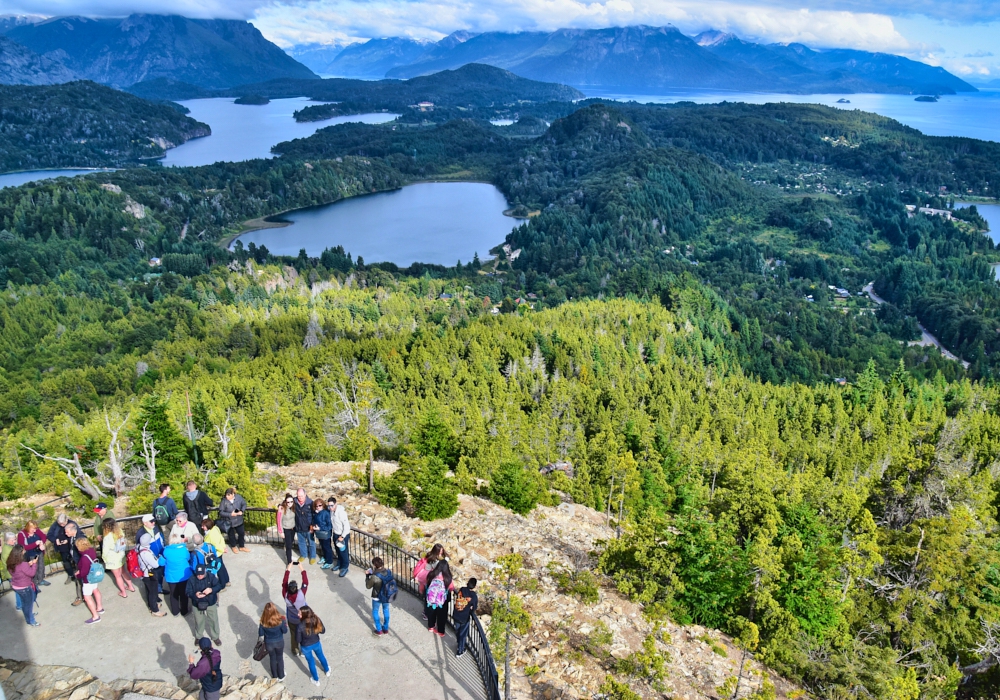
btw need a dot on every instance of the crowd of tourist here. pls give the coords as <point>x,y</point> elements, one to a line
<point>178,553</point>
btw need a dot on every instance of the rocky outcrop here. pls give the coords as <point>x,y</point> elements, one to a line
<point>22,66</point>
<point>27,681</point>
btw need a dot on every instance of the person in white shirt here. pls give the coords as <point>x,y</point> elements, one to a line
<point>341,535</point>
<point>183,528</point>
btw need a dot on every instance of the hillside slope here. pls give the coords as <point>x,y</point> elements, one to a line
<point>120,52</point>
<point>20,65</point>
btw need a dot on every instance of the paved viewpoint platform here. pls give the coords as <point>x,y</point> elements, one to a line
<point>130,643</point>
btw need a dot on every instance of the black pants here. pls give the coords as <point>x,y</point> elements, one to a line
<point>237,535</point>
<point>290,544</point>
<point>151,589</point>
<point>436,617</point>
<point>293,629</point>
<point>68,566</point>
<point>180,604</point>
<point>276,657</point>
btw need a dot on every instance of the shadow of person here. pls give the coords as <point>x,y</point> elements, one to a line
<point>171,655</point>
<point>259,592</point>
<point>244,628</point>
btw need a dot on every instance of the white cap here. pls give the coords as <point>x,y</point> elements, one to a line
<point>147,518</point>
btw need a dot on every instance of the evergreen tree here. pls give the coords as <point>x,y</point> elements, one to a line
<point>173,451</point>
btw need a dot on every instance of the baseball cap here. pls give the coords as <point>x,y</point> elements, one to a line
<point>147,518</point>
<point>205,643</point>
<point>200,570</point>
<point>100,506</point>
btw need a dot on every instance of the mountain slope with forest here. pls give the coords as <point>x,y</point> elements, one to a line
<point>120,52</point>
<point>22,66</point>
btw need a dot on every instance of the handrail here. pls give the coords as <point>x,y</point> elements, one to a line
<point>261,527</point>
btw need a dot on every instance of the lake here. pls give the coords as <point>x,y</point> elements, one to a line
<point>245,132</point>
<point>16,179</point>
<point>430,222</point>
<point>972,114</point>
<point>990,212</point>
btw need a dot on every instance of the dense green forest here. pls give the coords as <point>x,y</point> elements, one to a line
<point>83,124</point>
<point>695,291</point>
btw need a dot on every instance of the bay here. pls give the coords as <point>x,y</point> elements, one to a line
<point>19,178</point>
<point>429,222</point>
<point>245,132</point>
<point>971,114</point>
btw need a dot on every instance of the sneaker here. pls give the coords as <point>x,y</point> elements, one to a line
<point>377,633</point>
<point>301,559</point>
<point>328,672</point>
<point>460,654</point>
<point>35,624</point>
<point>244,549</point>
<point>44,583</point>
<point>384,632</point>
<point>313,561</point>
<point>321,561</point>
<point>217,642</point>
<point>101,611</point>
<point>440,634</point>
<point>423,616</point>
<point>326,566</point>
<point>315,681</point>
<point>281,678</point>
<point>78,601</point>
<point>343,573</point>
<point>92,621</point>
<point>160,613</point>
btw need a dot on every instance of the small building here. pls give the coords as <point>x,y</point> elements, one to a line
<point>532,296</point>
<point>425,106</point>
<point>154,262</point>
<point>842,381</point>
<point>445,295</point>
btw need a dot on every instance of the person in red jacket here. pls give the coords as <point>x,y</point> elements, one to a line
<point>91,595</point>
<point>33,540</point>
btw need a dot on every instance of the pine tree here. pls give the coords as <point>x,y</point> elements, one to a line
<point>172,451</point>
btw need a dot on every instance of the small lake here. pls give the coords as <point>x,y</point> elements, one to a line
<point>990,212</point>
<point>16,179</point>
<point>430,222</point>
<point>972,114</point>
<point>245,132</point>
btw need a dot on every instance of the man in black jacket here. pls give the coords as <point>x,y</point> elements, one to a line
<point>57,536</point>
<point>203,591</point>
<point>196,504</point>
<point>72,534</point>
<point>303,506</point>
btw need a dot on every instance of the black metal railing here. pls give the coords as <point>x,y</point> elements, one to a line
<point>260,525</point>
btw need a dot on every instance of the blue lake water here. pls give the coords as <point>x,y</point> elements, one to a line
<point>245,132</point>
<point>430,222</point>
<point>16,179</point>
<point>975,114</point>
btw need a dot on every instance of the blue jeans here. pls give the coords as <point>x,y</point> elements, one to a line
<point>307,545</point>
<point>316,649</point>
<point>385,615</point>
<point>344,555</point>
<point>462,632</point>
<point>26,597</point>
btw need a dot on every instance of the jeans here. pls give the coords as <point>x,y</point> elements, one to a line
<point>376,605</point>
<point>26,596</point>
<point>276,657</point>
<point>207,620</point>
<point>327,550</point>
<point>151,586</point>
<point>237,535</point>
<point>307,545</point>
<point>316,649</point>
<point>344,555</point>
<point>462,632</point>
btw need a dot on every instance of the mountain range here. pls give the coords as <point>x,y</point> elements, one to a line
<point>215,53</point>
<point>649,58</point>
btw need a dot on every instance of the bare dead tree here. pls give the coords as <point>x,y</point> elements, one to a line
<point>74,470</point>
<point>149,453</point>
<point>988,650</point>
<point>224,436</point>
<point>119,456</point>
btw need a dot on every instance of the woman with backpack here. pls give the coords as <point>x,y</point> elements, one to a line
<point>384,588</point>
<point>22,574</point>
<point>424,566</point>
<point>310,628</point>
<point>323,529</point>
<point>208,670</point>
<point>272,630</point>
<point>90,572</point>
<point>176,563</point>
<point>439,587</point>
<point>213,536</point>
<point>113,553</point>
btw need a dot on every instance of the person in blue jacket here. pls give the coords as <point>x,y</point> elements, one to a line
<point>176,563</point>
<point>323,530</point>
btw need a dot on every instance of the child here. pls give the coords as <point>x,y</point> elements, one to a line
<point>383,586</point>
<point>466,602</point>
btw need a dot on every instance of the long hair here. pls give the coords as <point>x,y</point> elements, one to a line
<point>272,617</point>
<point>15,557</point>
<point>437,553</point>
<point>111,526</point>
<point>444,570</point>
<point>310,621</point>
<point>284,500</point>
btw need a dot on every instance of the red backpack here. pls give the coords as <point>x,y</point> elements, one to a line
<point>132,564</point>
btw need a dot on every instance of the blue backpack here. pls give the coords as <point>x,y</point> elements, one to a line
<point>387,592</point>
<point>96,573</point>
<point>209,558</point>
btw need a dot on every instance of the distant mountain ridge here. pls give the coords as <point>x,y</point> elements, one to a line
<point>645,58</point>
<point>20,65</point>
<point>215,53</point>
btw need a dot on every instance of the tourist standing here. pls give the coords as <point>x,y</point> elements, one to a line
<point>424,566</point>
<point>156,544</point>
<point>303,527</point>
<point>183,528</point>
<point>384,588</point>
<point>439,586</point>
<point>33,540</point>
<point>176,563</point>
<point>323,529</point>
<point>164,509</point>
<point>232,509</point>
<point>22,580</point>
<point>72,531</point>
<point>342,534</point>
<point>213,536</point>
<point>57,536</point>
<point>208,670</point>
<point>101,512</point>
<point>272,630</point>
<point>197,504</point>
<point>113,552</point>
<point>309,630</point>
<point>295,599</point>
<point>150,565</point>
<point>285,521</point>
<point>466,602</point>
<point>203,590</point>
<point>91,573</point>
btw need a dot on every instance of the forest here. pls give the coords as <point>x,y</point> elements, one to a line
<point>685,324</point>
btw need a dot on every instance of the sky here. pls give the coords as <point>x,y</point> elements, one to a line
<point>963,36</point>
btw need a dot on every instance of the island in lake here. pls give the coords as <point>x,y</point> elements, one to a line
<point>926,98</point>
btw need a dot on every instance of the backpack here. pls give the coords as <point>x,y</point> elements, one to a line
<point>96,573</point>
<point>212,561</point>
<point>437,594</point>
<point>132,564</point>
<point>387,593</point>
<point>160,514</point>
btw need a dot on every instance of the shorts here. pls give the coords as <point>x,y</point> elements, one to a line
<point>89,588</point>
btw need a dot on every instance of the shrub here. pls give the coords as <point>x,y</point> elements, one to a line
<point>511,488</point>
<point>580,583</point>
